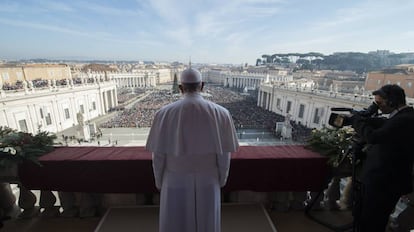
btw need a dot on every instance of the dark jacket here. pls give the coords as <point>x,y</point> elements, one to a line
<point>389,161</point>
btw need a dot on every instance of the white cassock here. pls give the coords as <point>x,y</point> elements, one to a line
<point>191,140</point>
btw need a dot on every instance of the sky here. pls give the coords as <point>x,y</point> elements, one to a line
<point>216,31</point>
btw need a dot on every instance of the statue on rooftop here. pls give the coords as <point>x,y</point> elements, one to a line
<point>79,117</point>
<point>24,83</point>
<point>30,84</point>
<point>287,127</point>
<point>363,92</point>
<point>83,128</point>
<point>356,89</point>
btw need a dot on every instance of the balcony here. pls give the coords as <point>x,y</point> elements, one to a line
<point>292,220</point>
<point>77,185</point>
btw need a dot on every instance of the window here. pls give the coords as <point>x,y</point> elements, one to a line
<point>48,119</point>
<point>278,103</point>
<point>409,84</point>
<point>19,76</point>
<point>5,76</point>
<point>301,110</point>
<point>23,125</point>
<point>94,105</point>
<point>264,103</point>
<point>82,109</point>
<point>288,107</point>
<point>316,116</point>
<point>41,113</point>
<point>67,115</point>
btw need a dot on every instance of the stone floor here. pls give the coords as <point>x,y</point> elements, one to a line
<point>284,220</point>
<point>288,221</point>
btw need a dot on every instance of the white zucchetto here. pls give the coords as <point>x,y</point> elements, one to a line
<point>190,75</point>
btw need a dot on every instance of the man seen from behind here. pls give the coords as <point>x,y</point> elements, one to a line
<point>191,141</point>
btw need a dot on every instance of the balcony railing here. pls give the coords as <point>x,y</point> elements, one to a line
<point>83,181</point>
<point>86,179</point>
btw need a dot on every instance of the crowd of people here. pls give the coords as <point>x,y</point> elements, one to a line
<point>242,107</point>
<point>44,83</point>
<point>16,86</point>
<point>126,94</point>
<point>37,83</point>
<point>142,113</point>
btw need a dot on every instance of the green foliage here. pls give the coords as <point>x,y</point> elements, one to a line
<point>17,146</point>
<point>352,61</point>
<point>267,58</point>
<point>331,142</point>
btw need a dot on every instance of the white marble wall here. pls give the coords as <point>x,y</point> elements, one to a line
<point>55,109</point>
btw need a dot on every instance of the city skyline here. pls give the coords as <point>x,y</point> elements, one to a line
<point>208,32</point>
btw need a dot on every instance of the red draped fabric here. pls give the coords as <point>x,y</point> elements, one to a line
<point>129,170</point>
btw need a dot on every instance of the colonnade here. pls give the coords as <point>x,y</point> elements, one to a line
<point>308,106</point>
<point>134,79</point>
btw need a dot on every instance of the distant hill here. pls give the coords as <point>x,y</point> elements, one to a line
<point>352,61</point>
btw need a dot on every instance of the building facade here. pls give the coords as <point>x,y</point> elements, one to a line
<point>10,74</point>
<point>243,80</point>
<point>308,106</point>
<point>56,108</point>
<point>402,75</point>
<point>134,79</point>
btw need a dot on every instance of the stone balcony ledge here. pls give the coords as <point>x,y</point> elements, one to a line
<point>84,181</point>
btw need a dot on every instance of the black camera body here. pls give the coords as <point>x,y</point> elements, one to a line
<point>340,120</point>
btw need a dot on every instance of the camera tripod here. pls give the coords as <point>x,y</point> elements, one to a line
<point>355,153</point>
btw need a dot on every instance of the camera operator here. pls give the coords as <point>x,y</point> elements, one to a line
<point>387,170</point>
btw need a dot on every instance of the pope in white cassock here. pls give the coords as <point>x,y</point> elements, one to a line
<point>191,140</point>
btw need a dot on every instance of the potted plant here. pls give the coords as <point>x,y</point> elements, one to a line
<point>17,146</point>
<point>333,143</point>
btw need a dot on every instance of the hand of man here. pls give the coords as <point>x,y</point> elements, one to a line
<point>358,122</point>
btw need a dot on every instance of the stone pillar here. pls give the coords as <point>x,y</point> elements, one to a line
<point>7,198</point>
<point>260,98</point>
<point>115,97</point>
<point>68,203</point>
<point>345,201</point>
<point>27,202</point>
<point>332,194</point>
<point>102,98</point>
<point>2,93</point>
<point>47,201</point>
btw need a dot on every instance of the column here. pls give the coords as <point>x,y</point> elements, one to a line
<point>268,101</point>
<point>108,98</point>
<point>102,100</point>
<point>115,97</point>
<point>259,103</point>
<point>57,116</point>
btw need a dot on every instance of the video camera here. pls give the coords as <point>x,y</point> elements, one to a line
<point>341,120</point>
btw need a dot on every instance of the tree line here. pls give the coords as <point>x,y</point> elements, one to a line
<point>352,61</point>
